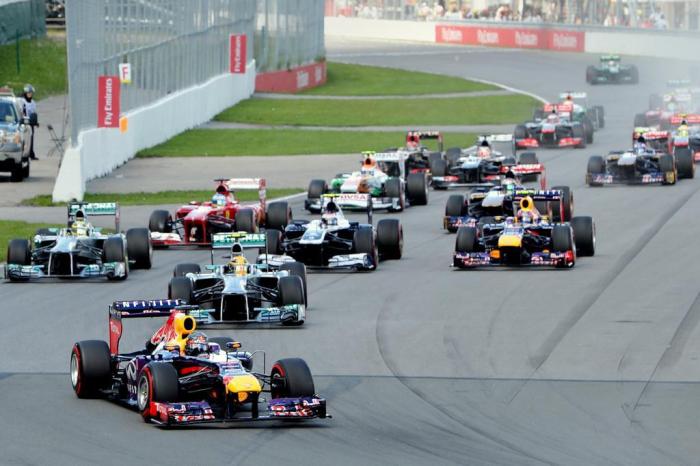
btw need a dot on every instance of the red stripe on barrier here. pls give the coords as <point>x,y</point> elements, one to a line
<point>294,80</point>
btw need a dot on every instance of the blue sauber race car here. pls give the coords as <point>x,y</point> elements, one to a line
<point>182,377</point>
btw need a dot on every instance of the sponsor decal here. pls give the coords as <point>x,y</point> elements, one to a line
<point>526,39</point>
<point>302,79</point>
<point>108,104</point>
<point>487,37</point>
<point>238,53</point>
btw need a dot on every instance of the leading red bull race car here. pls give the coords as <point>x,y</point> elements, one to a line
<point>183,377</point>
<point>197,222</point>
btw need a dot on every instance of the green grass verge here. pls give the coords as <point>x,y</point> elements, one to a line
<point>223,142</point>
<point>42,64</point>
<point>162,197</point>
<point>345,79</point>
<point>389,112</point>
<point>11,229</point>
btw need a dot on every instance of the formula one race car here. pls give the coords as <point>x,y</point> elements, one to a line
<point>582,111</point>
<point>526,239</point>
<point>183,377</point>
<point>487,205</point>
<point>611,71</point>
<point>383,176</point>
<point>239,292</point>
<point>333,242</point>
<point>195,223</point>
<point>641,165</point>
<point>482,165</point>
<point>664,108</point>
<point>80,250</point>
<point>556,130</point>
<point>418,156</point>
<point>652,138</point>
<point>686,137</point>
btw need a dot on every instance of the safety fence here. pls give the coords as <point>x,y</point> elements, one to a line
<point>21,18</point>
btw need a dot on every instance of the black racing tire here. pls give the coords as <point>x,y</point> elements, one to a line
<point>298,269</point>
<point>158,382</point>
<point>291,290</point>
<point>561,238</point>
<point>667,164</point>
<point>417,188</point>
<point>528,158</point>
<point>394,188</point>
<point>17,173</point>
<point>19,252</point>
<point>591,74</point>
<point>139,248</point>
<point>245,221</point>
<point>584,235</point>
<point>278,216</point>
<point>363,242</point>
<point>181,270</point>
<point>588,129</point>
<point>452,155</point>
<point>90,368</point>
<point>432,157</point>
<point>317,188</point>
<point>181,288</point>
<point>520,132</point>
<point>438,167</point>
<point>640,120</point>
<point>113,250</point>
<point>466,239</point>
<point>456,206</point>
<point>596,166</point>
<point>567,205</point>
<point>273,242</point>
<point>578,131</point>
<point>160,221</point>
<point>291,378</point>
<point>684,163</point>
<point>600,113</point>
<point>389,239</point>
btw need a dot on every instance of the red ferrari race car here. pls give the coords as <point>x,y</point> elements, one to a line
<point>195,223</point>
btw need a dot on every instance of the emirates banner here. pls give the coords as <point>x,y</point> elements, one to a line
<point>499,36</point>
<point>238,50</point>
<point>108,105</point>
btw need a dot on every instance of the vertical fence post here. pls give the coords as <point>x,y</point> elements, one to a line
<point>17,51</point>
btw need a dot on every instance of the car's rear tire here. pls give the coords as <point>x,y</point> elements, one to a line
<point>667,164</point>
<point>181,288</point>
<point>390,238</point>
<point>298,269</point>
<point>90,368</point>
<point>417,188</point>
<point>273,242</point>
<point>434,156</point>
<point>363,243</point>
<point>160,221</point>
<point>520,132</point>
<point>589,129</point>
<point>158,382</point>
<point>584,235</point>
<point>528,158</point>
<point>578,131</point>
<point>562,239</point>
<point>684,163</point>
<point>600,112</point>
<point>393,188</point>
<point>245,221</point>
<point>291,290</point>
<point>438,167</point>
<point>566,207</point>
<point>181,270</point>
<point>591,74</point>
<point>139,248</point>
<point>466,239</point>
<point>456,205</point>
<point>291,378</point>
<point>279,214</point>
<point>453,155</point>
<point>114,251</point>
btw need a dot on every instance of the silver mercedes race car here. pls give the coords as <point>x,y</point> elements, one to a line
<point>80,250</point>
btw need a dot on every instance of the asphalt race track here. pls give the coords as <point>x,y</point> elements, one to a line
<point>422,363</point>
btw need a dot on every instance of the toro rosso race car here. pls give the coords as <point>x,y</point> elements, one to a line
<point>383,176</point>
<point>488,205</point>
<point>640,165</point>
<point>183,377</point>
<point>611,71</point>
<point>80,250</point>
<point>239,292</point>
<point>334,242</point>
<point>529,238</point>
<point>482,165</point>
<point>555,130</point>
<point>195,223</point>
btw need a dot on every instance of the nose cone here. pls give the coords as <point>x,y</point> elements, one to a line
<point>509,241</point>
<point>243,383</point>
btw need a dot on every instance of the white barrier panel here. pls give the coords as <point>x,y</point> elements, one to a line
<point>101,150</point>
<point>386,29</point>
<point>683,47</point>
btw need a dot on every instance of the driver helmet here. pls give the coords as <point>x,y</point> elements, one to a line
<point>330,213</point>
<point>79,227</point>
<point>218,199</point>
<point>508,179</point>
<point>238,264</point>
<point>525,216</point>
<point>412,142</point>
<point>196,344</point>
<point>553,116</point>
<point>641,144</point>
<point>484,149</point>
<point>368,166</point>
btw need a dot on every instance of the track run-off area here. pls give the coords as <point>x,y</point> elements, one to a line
<point>421,363</point>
